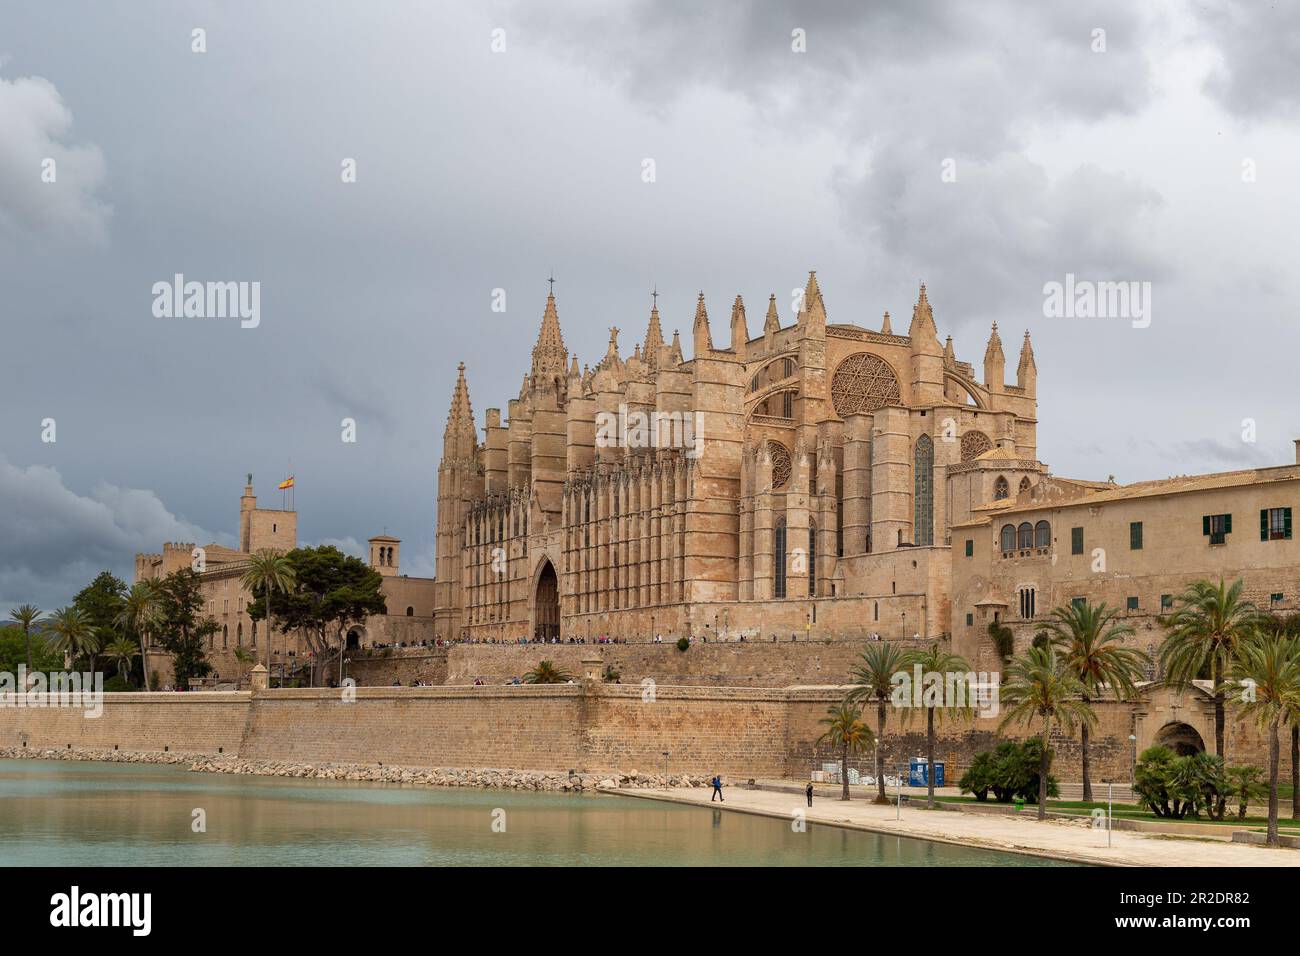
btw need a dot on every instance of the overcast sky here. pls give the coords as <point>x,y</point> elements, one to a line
<point>1173,157</point>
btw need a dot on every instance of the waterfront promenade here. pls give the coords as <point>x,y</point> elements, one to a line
<point>1068,840</point>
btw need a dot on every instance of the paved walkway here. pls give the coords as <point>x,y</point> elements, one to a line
<point>1068,840</point>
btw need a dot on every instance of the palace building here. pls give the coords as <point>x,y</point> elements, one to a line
<point>802,480</point>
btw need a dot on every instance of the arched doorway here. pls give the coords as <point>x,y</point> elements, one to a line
<point>1182,739</point>
<point>355,637</point>
<point>546,604</point>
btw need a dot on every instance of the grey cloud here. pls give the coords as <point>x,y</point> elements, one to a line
<point>54,540</point>
<point>1259,47</point>
<point>37,125</point>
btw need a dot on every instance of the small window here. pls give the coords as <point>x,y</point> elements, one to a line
<point>1216,527</point>
<point>970,619</point>
<point>1027,601</point>
<point>1076,541</point>
<point>970,547</point>
<point>1079,602</point>
<point>1135,535</point>
<point>410,612</point>
<point>1275,597</point>
<point>1274,524</point>
<point>1132,604</point>
<point>1166,602</point>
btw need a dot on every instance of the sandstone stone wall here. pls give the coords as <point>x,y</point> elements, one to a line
<point>207,723</point>
<point>739,732</point>
<point>380,668</point>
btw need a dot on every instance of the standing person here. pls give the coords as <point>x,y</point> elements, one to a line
<point>717,789</point>
<point>808,792</point>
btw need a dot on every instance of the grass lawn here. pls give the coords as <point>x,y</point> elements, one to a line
<point>1134,812</point>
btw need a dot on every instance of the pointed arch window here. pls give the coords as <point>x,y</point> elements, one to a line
<point>923,499</point>
<point>1001,489</point>
<point>812,560</point>
<point>779,565</point>
<point>1024,483</point>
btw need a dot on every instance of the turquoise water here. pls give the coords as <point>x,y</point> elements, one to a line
<point>75,813</point>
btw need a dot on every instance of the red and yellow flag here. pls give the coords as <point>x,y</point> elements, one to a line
<point>287,483</point>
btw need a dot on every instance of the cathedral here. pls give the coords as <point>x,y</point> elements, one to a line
<point>798,483</point>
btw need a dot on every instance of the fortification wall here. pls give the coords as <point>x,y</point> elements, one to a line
<point>206,723</point>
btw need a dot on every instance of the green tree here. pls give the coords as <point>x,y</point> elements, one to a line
<point>268,572</point>
<point>546,673</point>
<point>1092,643</point>
<point>141,614</point>
<point>935,665</point>
<point>181,630</point>
<point>1267,666</point>
<point>847,733</point>
<point>1208,623</point>
<point>26,615</point>
<point>73,636</point>
<point>100,603</point>
<point>330,593</point>
<point>1041,685</point>
<point>1245,785</point>
<point>122,651</point>
<point>874,675</point>
<point>15,646</point>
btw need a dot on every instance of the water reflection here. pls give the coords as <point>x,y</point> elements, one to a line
<point>82,813</point>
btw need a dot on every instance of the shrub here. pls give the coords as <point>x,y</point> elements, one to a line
<point>683,643</point>
<point>1010,772</point>
<point>117,684</point>
<point>1175,787</point>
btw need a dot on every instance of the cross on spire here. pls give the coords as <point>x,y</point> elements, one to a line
<point>551,280</point>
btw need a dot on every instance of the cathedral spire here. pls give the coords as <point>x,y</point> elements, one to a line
<point>925,337</point>
<point>994,361</point>
<point>460,438</point>
<point>739,327</point>
<point>885,327</point>
<point>703,337</point>
<point>949,358</point>
<point>654,337</point>
<point>814,308</point>
<point>1027,371</point>
<point>678,357</point>
<point>772,323</point>
<point>549,354</point>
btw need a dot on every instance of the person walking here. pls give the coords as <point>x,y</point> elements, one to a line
<point>717,789</point>
<point>808,792</point>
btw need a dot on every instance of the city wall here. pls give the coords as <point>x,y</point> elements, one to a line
<point>737,731</point>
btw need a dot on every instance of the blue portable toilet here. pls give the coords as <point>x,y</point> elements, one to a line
<point>918,773</point>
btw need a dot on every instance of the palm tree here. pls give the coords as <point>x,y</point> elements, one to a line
<point>73,635</point>
<point>122,651</point>
<point>1042,684</point>
<point>26,615</point>
<point>546,673</point>
<point>269,571</point>
<point>1268,667</point>
<point>874,679</point>
<point>1090,639</point>
<point>1204,631</point>
<point>141,613</point>
<point>941,664</point>
<point>846,730</point>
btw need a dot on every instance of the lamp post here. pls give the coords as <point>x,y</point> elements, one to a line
<point>665,755</point>
<point>1132,769</point>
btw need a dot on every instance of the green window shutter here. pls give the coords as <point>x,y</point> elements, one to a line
<point>1263,524</point>
<point>1227,524</point>
<point>1205,524</point>
<point>970,547</point>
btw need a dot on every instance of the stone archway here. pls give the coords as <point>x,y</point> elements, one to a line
<point>546,602</point>
<point>1182,739</point>
<point>356,638</point>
